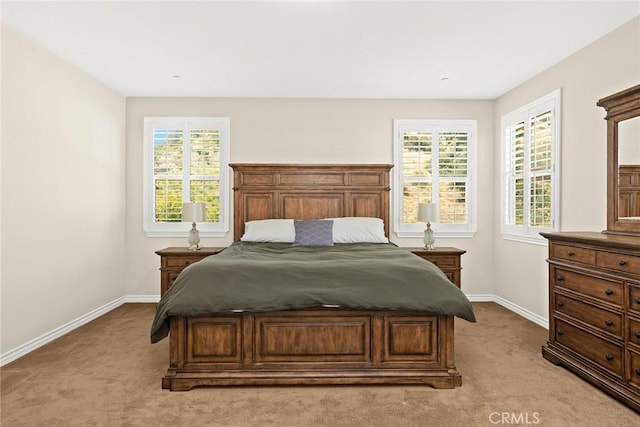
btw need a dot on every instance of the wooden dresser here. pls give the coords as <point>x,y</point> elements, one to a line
<point>174,260</point>
<point>594,310</point>
<point>447,259</point>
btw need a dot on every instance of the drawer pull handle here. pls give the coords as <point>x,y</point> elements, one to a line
<point>608,292</point>
<point>608,322</point>
<point>559,278</point>
<point>560,332</point>
<point>622,262</point>
<point>638,300</point>
<point>571,253</point>
<point>609,357</point>
<point>560,304</point>
<point>637,334</point>
<point>638,372</point>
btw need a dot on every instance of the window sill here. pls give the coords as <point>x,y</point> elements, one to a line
<point>172,233</point>
<point>532,240</point>
<point>438,234</point>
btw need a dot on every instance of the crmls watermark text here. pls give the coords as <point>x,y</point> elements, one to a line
<point>515,418</point>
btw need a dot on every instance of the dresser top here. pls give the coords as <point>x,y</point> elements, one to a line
<point>619,241</point>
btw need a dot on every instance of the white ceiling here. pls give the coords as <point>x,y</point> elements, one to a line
<point>340,49</point>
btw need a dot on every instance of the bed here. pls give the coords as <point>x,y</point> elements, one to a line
<point>317,341</point>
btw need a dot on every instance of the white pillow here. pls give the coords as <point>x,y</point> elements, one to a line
<point>358,230</point>
<point>269,230</point>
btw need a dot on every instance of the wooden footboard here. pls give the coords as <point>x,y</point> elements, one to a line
<point>305,347</point>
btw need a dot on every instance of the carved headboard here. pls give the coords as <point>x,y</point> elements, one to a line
<point>308,191</point>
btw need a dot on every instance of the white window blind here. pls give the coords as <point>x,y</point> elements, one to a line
<point>186,161</point>
<point>530,176</point>
<point>433,163</point>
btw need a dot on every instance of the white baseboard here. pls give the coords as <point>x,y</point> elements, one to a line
<point>535,318</point>
<point>142,298</point>
<point>38,342</point>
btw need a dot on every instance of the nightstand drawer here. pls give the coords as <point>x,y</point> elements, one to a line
<point>441,261</point>
<point>600,351</point>
<point>605,320</point>
<point>174,260</point>
<point>182,261</point>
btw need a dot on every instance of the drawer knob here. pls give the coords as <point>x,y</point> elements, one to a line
<point>622,262</point>
<point>638,372</point>
<point>560,304</point>
<point>571,253</point>
<point>608,322</point>
<point>637,334</point>
<point>560,332</point>
<point>559,278</point>
<point>609,357</point>
<point>637,300</point>
<point>608,292</point>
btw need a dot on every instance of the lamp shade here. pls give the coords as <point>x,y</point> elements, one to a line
<point>193,212</point>
<point>428,212</point>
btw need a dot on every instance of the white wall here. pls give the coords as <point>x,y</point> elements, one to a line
<point>609,65</point>
<point>308,131</point>
<point>63,192</point>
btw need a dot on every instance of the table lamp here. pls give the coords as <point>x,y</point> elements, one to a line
<point>193,212</point>
<point>429,212</point>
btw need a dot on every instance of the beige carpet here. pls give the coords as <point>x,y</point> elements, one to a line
<point>107,373</point>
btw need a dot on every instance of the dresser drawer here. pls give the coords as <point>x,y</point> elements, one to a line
<point>634,332</point>
<point>573,253</point>
<point>634,374</point>
<point>603,289</point>
<point>617,261</point>
<point>634,298</point>
<point>605,320</point>
<point>602,352</point>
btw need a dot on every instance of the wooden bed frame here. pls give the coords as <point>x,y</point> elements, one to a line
<point>319,346</point>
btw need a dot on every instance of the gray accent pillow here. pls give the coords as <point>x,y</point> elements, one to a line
<point>313,232</point>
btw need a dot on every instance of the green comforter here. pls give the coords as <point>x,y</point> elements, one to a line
<point>278,276</point>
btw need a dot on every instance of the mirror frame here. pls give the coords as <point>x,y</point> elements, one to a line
<point>620,106</point>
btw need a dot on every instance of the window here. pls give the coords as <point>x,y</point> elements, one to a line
<point>434,162</point>
<point>531,141</point>
<point>186,160</point>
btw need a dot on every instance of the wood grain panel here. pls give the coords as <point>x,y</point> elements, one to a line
<point>214,339</point>
<point>298,339</point>
<point>315,179</point>
<point>256,206</point>
<point>311,206</point>
<point>411,338</point>
<point>365,179</point>
<point>365,204</point>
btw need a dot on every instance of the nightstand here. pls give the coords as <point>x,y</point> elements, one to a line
<point>174,260</point>
<point>447,259</point>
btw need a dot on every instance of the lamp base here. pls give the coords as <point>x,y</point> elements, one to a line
<point>194,238</point>
<point>429,240</point>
